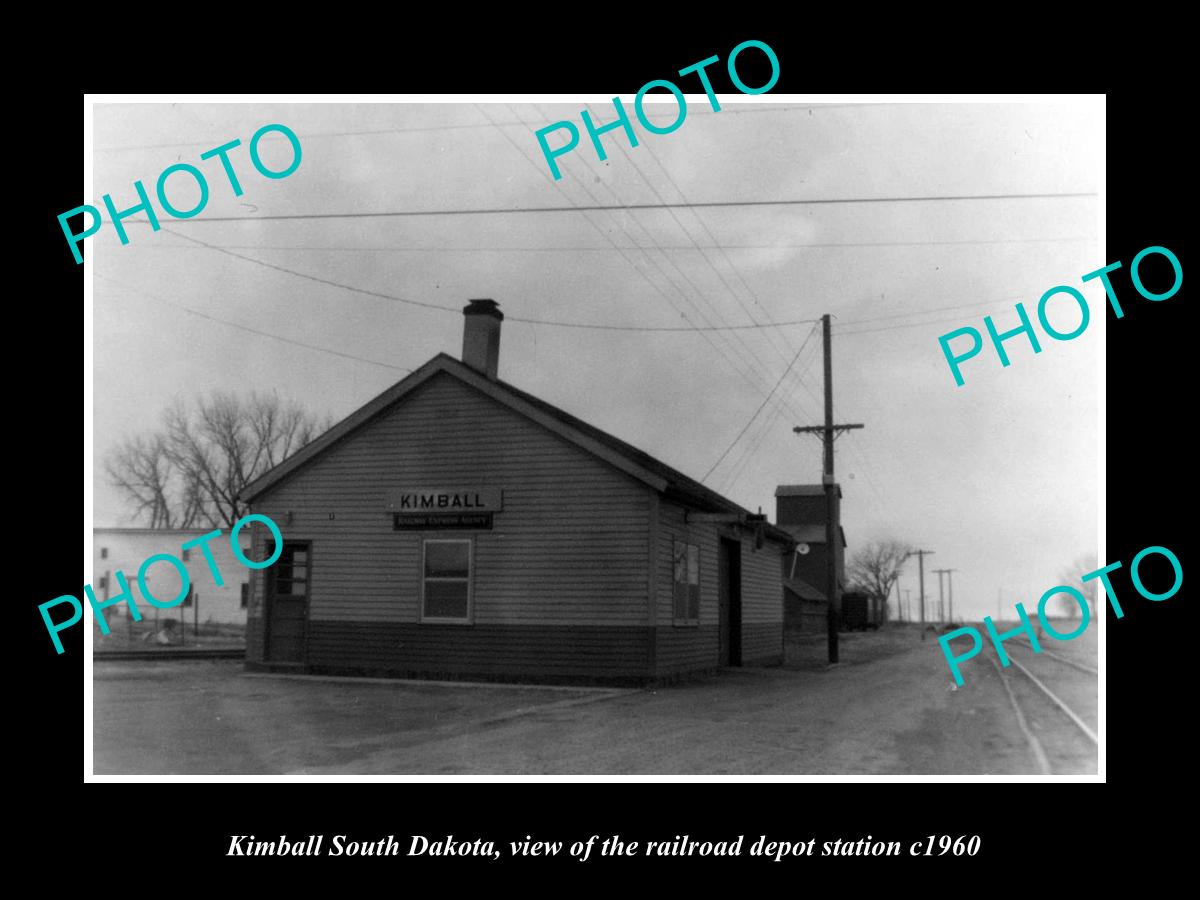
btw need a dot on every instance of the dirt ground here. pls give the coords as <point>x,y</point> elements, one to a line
<point>889,707</point>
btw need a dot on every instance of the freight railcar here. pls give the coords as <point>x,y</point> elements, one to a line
<point>859,612</point>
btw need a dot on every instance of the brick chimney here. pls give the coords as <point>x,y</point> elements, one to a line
<point>481,336</point>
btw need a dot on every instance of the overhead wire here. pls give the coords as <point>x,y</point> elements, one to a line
<point>742,372</point>
<point>256,331</point>
<point>815,246</point>
<point>706,204</point>
<point>742,350</point>
<point>760,408</point>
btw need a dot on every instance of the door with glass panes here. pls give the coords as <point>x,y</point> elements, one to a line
<point>287,603</point>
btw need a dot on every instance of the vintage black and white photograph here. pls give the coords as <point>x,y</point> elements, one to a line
<point>509,437</point>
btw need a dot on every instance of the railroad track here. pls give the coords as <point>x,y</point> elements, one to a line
<point>1058,656</point>
<point>1060,739</point>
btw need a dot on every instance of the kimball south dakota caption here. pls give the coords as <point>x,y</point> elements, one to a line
<point>248,845</point>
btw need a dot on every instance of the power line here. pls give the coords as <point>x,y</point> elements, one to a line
<point>398,249</point>
<point>247,328</point>
<point>710,204</point>
<point>774,338</point>
<point>942,321</point>
<point>780,406</point>
<point>740,349</point>
<point>760,406</point>
<point>704,255</point>
<point>922,312</point>
<point>544,175</point>
<point>456,310</point>
<point>590,326</point>
<point>764,108</point>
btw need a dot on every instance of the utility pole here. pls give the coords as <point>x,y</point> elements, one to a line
<point>920,555</point>
<point>950,599</point>
<point>828,432</point>
<point>941,595</point>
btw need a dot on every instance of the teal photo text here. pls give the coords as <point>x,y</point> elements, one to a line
<point>185,172</point>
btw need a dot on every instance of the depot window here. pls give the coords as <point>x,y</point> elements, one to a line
<point>687,584</point>
<point>446,581</point>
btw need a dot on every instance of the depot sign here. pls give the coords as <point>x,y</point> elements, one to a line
<point>424,500</point>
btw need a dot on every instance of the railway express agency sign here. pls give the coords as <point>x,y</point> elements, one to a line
<point>424,508</point>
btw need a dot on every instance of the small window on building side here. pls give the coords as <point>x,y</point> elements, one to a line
<point>446,581</point>
<point>687,583</point>
<point>104,553</point>
<point>103,581</point>
<point>245,595</point>
<point>187,554</point>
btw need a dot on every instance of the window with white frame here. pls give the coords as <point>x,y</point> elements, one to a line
<point>446,580</point>
<point>687,583</point>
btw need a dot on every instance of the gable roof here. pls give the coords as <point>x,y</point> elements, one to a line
<point>668,481</point>
<point>803,589</point>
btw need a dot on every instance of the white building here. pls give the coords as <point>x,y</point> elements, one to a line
<point>125,549</point>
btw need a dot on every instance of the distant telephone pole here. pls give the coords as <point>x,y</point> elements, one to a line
<point>920,555</point>
<point>941,596</point>
<point>828,432</point>
<point>950,592</point>
<point>908,602</point>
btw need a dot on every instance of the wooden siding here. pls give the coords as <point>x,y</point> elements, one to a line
<point>254,639</point>
<point>506,651</point>
<point>680,648</point>
<point>762,603</point>
<point>569,548</point>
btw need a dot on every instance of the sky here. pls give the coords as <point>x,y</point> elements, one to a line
<point>997,477</point>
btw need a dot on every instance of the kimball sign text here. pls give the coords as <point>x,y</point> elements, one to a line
<point>419,500</point>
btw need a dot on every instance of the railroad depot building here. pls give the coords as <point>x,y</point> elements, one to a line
<point>456,526</point>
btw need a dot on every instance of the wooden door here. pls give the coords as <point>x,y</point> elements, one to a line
<point>729,601</point>
<point>287,603</point>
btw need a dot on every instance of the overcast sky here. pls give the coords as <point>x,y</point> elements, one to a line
<point>998,476</point>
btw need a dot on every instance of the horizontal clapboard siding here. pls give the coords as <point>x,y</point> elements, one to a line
<point>805,615</point>
<point>254,639</point>
<point>762,603</point>
<point>762,585</point>
<point>682,648</point>
<point>685,648</point>
<point>533,651</point>
<point>569,548</point>
<point>762,643</point>
<point>673,527</point>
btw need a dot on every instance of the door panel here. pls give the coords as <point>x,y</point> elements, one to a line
<point>729,593</point>
<point>287,604</point>
<point>723,601</point>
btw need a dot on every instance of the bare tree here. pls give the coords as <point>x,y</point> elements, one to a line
<point>191,472</point>
<point>1072,577</point>
<point>143,471</point>
<point>875,568</point>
